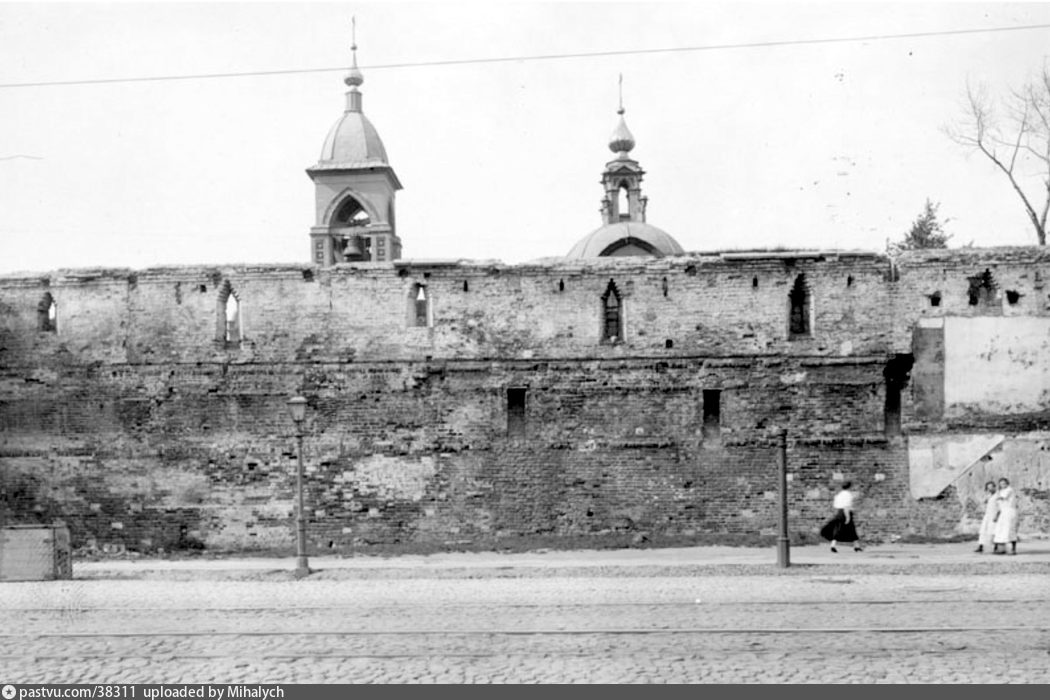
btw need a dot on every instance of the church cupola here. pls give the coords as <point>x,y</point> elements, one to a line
<point>624,230</point>
<point>622,179</point>
<point>354,188</point>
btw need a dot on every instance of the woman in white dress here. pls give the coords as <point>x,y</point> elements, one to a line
<point>1006,521</point>
<point>991,510</point>
<point>842,527</point>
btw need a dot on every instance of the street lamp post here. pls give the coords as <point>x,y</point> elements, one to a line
<point>783,544</point>
<point>297,407</point>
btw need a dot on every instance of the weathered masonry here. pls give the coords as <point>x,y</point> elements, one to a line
<point>476,402</point>
<point>628,387</point>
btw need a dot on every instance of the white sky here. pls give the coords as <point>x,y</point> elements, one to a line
<point>822,145</point>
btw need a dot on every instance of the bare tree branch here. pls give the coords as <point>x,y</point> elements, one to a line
<point>1028,140</point>
<point>1046,208</point>
<point>1022,130</point>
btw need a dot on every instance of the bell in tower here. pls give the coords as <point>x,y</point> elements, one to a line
<point>355,249</point>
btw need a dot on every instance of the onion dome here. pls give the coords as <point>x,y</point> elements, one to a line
<point>622,140</point>
<point>355,77</point>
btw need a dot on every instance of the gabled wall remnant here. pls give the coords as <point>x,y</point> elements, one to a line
<point>937,461</point>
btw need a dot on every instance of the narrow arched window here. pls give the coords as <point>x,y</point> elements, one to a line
<point>47,314</point>
<point>233,320</point>
<point>419,306</point>
<point>612,315</point>
<point>623,203</point>
<point>798,321</point>
<point>229,327</point>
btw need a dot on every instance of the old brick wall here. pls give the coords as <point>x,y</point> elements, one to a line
<point>403,452</point>
<point>978,334</point>
<point>710,305</point>
<point>949,274</point>
<point>142,429</point>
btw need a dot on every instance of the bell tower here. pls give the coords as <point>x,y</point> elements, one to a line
<point>624,230</point>
<point>622,179</point>
<point>354,188</point>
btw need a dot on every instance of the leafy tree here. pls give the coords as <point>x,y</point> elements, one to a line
<point>1014,134</point>
<point>926,231</point>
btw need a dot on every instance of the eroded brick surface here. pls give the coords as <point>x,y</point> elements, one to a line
<point>143,429</point>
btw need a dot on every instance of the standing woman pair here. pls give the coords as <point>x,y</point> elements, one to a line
<point>999,525</point>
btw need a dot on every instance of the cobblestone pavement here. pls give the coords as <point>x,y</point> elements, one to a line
<point>606,624</point>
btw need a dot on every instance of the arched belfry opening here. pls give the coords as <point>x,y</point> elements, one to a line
<point>229,316</point>
<point>351,214</point>
<point>800,311</point>
<point>612,314</point>
<point>47,314</point>
<point>623,202</point>
<point>348,226</point>
<point>354,189</point>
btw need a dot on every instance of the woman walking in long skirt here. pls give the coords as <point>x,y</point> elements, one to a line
<point>842,527</point>
<point>1006,521</point>
<point>991,510</point>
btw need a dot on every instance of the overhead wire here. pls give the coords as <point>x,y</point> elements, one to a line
<point>537,57</point>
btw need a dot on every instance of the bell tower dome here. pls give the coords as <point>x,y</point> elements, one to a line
<point>354,187</point>
<point>624,231</point>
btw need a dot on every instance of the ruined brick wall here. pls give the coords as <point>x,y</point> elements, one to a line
<point>710,305</point>
<point>980,342</point>
<point>141,428</point>
<point>403,452</point>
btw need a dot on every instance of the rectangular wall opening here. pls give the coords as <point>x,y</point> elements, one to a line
<point>712,414</point>
<point>897,375</point>
<point>516,412</point>
<point>893,409</point>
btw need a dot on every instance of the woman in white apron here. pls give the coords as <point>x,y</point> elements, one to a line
<point>1006,522</point>
<point>986,534</point>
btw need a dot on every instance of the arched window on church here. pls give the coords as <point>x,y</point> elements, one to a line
<point>419,306</point>
<point>623,204</point>
<point>47,314</point>
<point>229,316</point>
<point>612,315</point>
<point>798,322</point>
